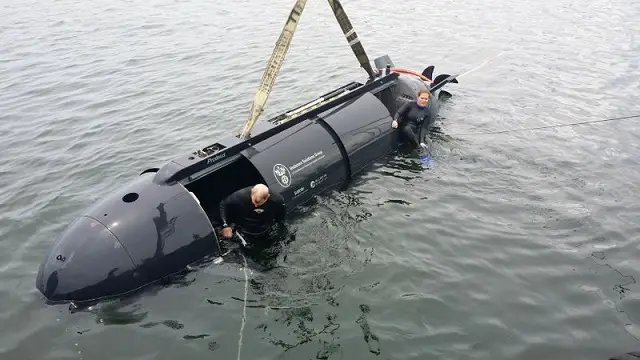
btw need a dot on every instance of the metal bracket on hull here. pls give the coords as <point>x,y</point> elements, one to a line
<point>322,99</point>
<point>213,160</point>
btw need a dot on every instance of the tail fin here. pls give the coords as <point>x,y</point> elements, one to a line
<point>428,71</point>
<point>441,80</point>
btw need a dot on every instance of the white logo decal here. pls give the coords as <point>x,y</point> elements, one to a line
<point>282,174</point>
<point>307,161</point>
<point>259,211</point>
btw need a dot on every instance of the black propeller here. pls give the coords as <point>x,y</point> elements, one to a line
<point>440,80</point>
<point>428,71</point>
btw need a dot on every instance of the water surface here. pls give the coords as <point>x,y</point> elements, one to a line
<point>518,245</point>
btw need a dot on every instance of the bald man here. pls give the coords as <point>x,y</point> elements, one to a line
<point>253,209</point>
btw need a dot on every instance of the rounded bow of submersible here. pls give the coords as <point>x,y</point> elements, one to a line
<point>86,262</point>
<point>138,234</point>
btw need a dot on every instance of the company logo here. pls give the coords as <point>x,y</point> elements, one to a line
<point>282,175</point>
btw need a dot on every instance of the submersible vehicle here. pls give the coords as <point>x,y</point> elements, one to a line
<point>165,219</point>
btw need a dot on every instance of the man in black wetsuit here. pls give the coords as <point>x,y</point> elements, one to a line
<point>411,116</point>
<point>253,210</point>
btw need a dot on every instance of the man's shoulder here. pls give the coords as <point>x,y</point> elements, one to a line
<point>276,198</point>
<point>241,193</point>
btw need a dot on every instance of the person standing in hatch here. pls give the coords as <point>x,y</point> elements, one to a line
<point>253,210</point>
<point>411,116</point>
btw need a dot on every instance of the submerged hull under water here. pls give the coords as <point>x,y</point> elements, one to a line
<point>165,219</point>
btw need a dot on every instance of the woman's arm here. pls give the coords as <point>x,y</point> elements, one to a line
<point>401,112</point>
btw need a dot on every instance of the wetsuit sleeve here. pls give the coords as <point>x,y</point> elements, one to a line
<point>402,111</point>
<point>223,211</point>
<point>226,207</point>
<point>281,209</point>
<point>426,119</point>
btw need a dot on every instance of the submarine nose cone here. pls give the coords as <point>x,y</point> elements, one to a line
<point>87,262</point>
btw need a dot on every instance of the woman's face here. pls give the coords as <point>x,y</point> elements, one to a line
<point>423,99</point>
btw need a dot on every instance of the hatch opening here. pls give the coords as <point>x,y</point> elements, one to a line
<point>212,188</point>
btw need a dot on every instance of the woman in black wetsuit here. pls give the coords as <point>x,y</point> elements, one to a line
<point>410,117</point>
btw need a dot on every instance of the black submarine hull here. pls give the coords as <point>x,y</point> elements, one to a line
<point>166,218</point>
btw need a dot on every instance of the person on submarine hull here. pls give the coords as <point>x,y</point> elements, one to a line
<point>410,118</point>
<point>253,210</point>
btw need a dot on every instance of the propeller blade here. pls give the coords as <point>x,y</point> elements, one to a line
<point>428,71</point>
<point>441,80</point>
<point>441,77</point>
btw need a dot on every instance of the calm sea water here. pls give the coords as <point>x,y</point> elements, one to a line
<point>520,245</point>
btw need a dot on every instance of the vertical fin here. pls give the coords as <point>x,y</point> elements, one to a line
<point>428,71</point>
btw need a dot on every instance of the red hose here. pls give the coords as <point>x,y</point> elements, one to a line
<point>411,72</point>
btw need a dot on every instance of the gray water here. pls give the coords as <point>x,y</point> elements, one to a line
<point>519,245</point>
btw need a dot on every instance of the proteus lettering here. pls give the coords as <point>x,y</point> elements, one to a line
<point>215,158</point>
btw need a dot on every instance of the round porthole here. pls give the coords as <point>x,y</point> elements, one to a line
<point>130,197</point>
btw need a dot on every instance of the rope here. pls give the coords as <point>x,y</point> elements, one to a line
<point>549,126</point>
<point>479,66</point>
<point>244,306</point>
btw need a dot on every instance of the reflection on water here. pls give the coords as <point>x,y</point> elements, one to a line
<point>116,312</point>
<point>369,337</point>
<point>296,297</point>
<point>300,320</point>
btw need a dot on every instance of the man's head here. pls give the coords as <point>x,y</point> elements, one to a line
<point>259,194</point>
